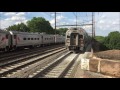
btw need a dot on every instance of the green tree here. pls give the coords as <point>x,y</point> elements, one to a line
<point>100,38</point>
<point>39,24</point>
<point>112,41</point>
<point>19,27</point>
<point>62,31</point>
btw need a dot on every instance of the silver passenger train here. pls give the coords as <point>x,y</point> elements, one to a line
<point>77,39</point>
<point>10,40</point>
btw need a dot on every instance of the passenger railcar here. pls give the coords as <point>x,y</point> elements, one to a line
<point>59,39</point>
<point>77,39</point>
<point>5,40</point>
<point>10,40</point>
<point>47,39</point>
<point>23,39</point>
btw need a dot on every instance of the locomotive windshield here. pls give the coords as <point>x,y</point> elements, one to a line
<point>80,36</point>
<point>73,36</point>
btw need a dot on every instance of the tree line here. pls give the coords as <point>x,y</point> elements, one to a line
<point>37,24</point>
<point>112,41</point>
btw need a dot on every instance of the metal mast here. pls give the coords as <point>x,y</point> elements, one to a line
<point>93,24</point>
<point>55,23</point>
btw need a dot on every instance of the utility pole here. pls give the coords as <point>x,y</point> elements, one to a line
<point>55,16</point>
<point>76,19</point>
<point>93,24</point>
<point>55,23</point>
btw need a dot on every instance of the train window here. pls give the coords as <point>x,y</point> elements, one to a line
<point>28,38</point>
<point>38,38</point>
<point>31,38</point>
<point>73,36</point>
<point>14,36</point>
<point>24,38</point>
<point>35,38</point>
<point>7,36</point>
<point>80,36</point>
<point>68,36</point>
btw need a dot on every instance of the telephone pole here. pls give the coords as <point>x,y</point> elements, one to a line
<point>55,23</point>
<point>55,17</point>
<point>76,19</point>
<point>93,24</point>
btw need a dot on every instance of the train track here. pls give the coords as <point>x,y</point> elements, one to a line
<point>17,52</point>
<point>72,71</point>
<point>57,68</point>
<point>9,68</point>
<point>19,57</point>
<point>54,63</point>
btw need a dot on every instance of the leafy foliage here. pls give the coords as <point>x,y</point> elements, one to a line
<point>112,41</point>
<point>62,31</point>
<point>19,27</point>
<point>100,38</point>
<point>39,24</point>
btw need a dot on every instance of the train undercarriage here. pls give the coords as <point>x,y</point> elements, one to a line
<point>76,49</point>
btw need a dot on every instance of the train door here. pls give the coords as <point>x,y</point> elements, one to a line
<point>41,39</point>
<point>74,39</point>
<point>81,40</point>
<point>11,41</point>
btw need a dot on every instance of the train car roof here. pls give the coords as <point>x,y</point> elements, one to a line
<point>4,31</point>
<point>76,30</point>
<point>18,32</point>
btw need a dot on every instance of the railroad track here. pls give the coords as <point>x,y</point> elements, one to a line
<point>57,68</point>
<point>72,71</point>
<point>11,67</point>
<point>14,53</point>
<point>19,57</point>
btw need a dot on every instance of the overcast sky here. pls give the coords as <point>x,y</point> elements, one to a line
<point>105,22</point>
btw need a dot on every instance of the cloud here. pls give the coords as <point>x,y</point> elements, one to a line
<point>16,18</point>
<point>58,19</point>
<point>13,18</point>
<point>4,24</point>
<point>9,13</point>
<point>109,21</point>
<point>20,14</point>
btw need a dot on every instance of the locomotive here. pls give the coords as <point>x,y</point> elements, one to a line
<point>77,40</point>
<point>10,40</point>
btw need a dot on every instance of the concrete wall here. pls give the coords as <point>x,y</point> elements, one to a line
<point>96,67</point>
